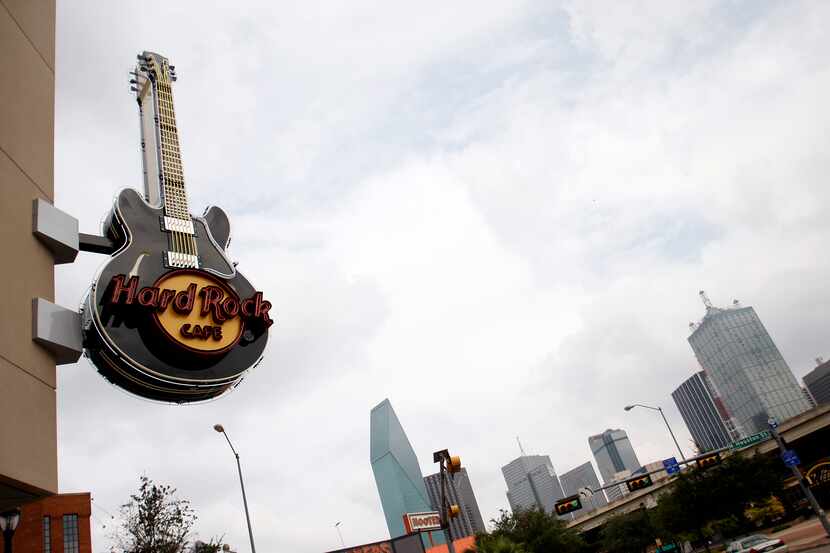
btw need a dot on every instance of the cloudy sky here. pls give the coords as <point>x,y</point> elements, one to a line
<point>496,214</point>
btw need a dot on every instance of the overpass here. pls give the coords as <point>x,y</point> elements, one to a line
<point>808,434</point>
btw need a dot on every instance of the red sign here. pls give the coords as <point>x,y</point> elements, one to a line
<point>421,522</point>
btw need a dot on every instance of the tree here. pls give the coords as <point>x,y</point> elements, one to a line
<point>155,520</point>
<point>629,532</point>
<point>486,543</point>
<point>766,511</point>
<point>721,493</point>
<point>537,532</point>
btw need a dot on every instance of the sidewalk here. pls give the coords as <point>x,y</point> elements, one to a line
<point>804,536</point>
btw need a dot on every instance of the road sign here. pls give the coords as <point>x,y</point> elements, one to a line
<point>750,440</point>
<point>671,466</point>
<point>772,422</point>
<point>790,458</point>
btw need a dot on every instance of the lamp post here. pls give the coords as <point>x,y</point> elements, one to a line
<point>8,524</point>
<point>221,429</point>
<point>630,407</point>
<point>339,533</point>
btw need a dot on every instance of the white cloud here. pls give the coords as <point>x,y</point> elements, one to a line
<point>497,215</point>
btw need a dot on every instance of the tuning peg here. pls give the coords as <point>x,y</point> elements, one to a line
<point>133,81</point>
<point>133,89</point>
<point>172,68</point>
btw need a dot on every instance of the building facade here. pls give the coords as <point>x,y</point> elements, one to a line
<point>469,522</point>
<point>56,524</point>
<point>580,477</point>
<point>817,383</point>
<point>698,405</point>
<point>532,483</point>
<point>28,447</point>
<point>395,466</point>
<point>746,368</point>
<point>613,454</point>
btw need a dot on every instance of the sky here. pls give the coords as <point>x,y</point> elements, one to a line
<point>498,215</point>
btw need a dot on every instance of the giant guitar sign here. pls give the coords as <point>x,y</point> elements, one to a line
<point>169,317</point>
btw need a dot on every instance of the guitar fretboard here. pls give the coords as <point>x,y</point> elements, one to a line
<point>175,196</point>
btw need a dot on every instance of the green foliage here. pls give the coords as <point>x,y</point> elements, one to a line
<point>486,543</point>
<point>728,527</point>
<point>155,520</point>
<point>721,493</point>
<point>766,511</point>
<point>536,532</point>
<point>214,546</point>
<point>629,533</point>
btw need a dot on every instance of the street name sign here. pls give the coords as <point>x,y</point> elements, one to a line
<point>750,440</point>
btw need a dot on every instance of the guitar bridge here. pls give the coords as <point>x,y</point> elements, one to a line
<point>179,260</point>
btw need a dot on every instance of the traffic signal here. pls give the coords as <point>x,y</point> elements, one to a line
<point>453,511</point>
<point>704,463</point>
<point>639,483</point>
<point>453,464</point>
<point>568,505</point>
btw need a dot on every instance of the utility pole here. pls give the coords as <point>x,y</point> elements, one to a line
<point>782,446</point>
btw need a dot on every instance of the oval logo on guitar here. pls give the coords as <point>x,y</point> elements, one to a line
<point>194,309</point>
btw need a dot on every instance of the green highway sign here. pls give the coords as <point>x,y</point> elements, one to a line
<point>750,440</point>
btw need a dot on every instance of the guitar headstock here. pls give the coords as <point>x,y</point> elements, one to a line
<point>151,68</point>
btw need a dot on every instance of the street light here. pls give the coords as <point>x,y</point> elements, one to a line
<point>630,407</point>
<point>8,524</point>
<point>221,429</point>
<point>339,533</point>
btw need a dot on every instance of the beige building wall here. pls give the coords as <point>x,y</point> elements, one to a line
<point>28,432</point>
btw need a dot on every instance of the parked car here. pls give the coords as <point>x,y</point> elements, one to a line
<point>758,543</point>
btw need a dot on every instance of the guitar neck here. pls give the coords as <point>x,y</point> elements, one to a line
<point>163,175</point>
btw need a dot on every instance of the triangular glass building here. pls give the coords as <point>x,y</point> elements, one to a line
<point>397,473</point>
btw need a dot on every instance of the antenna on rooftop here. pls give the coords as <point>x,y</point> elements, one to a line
<point>520,446</point>
<point>705,300</point>
<point>819,360</point>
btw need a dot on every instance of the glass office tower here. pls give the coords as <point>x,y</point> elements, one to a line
<point>698,404</point>
<point>397,473</point>
<point>748,371</point>
<point>580,477</point>
<point>613,454</point>
<point>532,483</point>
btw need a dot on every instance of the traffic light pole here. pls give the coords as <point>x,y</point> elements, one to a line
<point>822,516</point>
<point>441,457</point>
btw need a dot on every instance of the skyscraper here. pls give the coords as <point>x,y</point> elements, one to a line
<point>460,493</point>
<point>751,376</point>
<point>613,454</point>
<point>395,465</point>
<point>580,477</point>
<point>817,382</point>
<point>531,483</point>
<point>699,406</point>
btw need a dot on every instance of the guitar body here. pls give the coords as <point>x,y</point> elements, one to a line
<point>146,345</point>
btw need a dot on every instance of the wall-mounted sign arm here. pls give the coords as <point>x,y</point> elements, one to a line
<point>96,244</point>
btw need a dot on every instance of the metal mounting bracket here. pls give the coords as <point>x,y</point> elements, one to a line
<point>58,330</point>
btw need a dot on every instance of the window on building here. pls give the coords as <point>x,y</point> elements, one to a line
<point>70,534</point>
<point>47,535</point>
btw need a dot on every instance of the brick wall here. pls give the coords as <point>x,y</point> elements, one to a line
<point>29,535</point>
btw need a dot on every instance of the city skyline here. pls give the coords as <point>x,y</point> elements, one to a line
<point>497,215</point>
